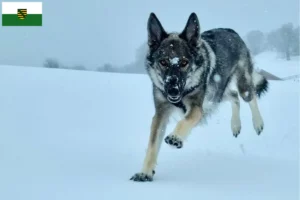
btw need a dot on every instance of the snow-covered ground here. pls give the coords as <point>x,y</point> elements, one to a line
<point>70,135</point>
<point>278,66</point>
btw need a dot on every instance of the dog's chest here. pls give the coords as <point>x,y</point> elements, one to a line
<point>180,105</point>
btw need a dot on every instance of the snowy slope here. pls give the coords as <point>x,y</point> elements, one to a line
<point>69,135</point>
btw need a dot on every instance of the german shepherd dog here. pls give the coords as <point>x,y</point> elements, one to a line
<point>195,72</point>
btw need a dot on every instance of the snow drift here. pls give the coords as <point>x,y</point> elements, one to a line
<point>81,135</point>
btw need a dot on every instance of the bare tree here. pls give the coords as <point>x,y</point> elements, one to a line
<point>255,41</point>
<point>286,32</point>
<point>284,39</point>
<point>51,63</point>
<point>138,66</point>
<point>79,67</point>
<point>108,68</point>
<point>296,42</point>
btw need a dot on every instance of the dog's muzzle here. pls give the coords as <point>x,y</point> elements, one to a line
<point>173,89</point>
<point>173,94</point>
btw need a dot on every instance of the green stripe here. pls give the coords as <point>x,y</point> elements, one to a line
<point>13,20</point>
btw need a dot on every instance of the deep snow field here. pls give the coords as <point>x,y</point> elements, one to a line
<point>78,135</point>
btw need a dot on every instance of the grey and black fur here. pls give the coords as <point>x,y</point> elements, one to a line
<point>194,72</point>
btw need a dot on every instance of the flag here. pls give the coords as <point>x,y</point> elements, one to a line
<point>21,13</point>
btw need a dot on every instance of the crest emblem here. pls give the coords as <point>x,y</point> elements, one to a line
<point>22,13</point>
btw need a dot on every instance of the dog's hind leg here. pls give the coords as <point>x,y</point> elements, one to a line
<point>235,117</point>
<point>257,120</point>
<point>247,90</point>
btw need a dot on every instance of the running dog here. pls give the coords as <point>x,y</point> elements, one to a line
<point>194,72</point>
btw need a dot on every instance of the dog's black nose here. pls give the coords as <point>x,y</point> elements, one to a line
<point>173,80</point>
<point>174,91</point>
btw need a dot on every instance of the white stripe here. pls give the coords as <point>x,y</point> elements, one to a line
<point>12,7</point>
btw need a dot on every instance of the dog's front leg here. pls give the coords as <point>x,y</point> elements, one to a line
<point>184,127</point>
<point>158,127</point>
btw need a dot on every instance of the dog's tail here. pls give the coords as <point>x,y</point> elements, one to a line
<point>261,83</point>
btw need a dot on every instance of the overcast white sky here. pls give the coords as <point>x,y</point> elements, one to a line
<point>93,32</point>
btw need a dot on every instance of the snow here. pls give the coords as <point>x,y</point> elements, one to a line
<point>69,135</point>
<point>279,67</point>
<point>217,78</point>
<point>168,79</point>
<point>174,61</point>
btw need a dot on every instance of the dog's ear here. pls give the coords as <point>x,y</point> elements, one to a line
<point>156,32</point>
<point>191,32</point>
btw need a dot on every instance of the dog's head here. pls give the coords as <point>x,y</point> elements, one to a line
<point>171,55</point>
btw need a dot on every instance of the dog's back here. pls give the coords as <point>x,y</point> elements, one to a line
<point>232,62</point>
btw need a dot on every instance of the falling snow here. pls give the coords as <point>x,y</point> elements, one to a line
<point>217,78</point>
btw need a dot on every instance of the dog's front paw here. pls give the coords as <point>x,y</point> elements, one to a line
<point>142,177</point>
<point>174,141</point>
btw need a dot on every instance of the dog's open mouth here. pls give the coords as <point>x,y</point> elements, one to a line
<point>174,99</point>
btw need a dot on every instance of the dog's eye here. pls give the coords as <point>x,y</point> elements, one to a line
<point>163,63</point>
<point>184,63</point>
